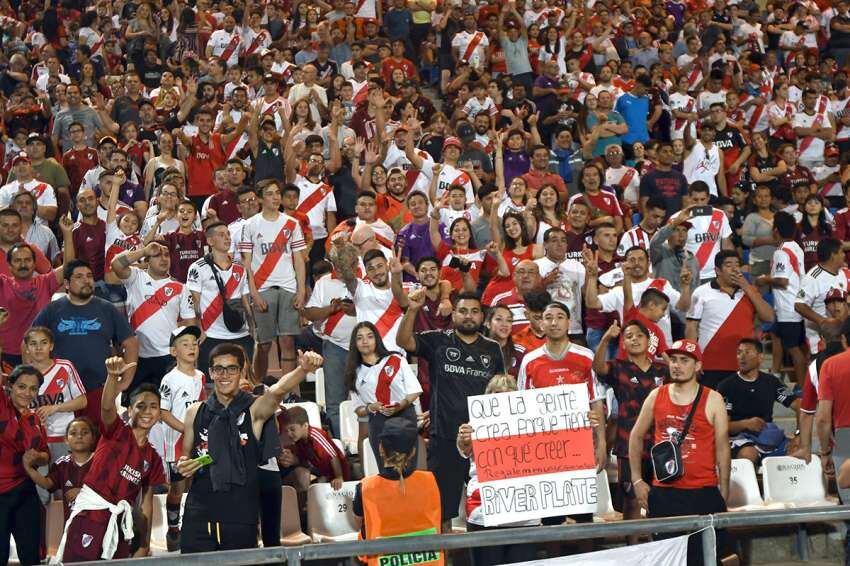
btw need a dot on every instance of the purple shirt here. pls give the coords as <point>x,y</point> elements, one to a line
<point>415,243</point>
<point>129,193</point>
<point>517,163</point>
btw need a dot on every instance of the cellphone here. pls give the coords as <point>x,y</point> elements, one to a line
<point>346,300</point>
<point>454,263</point>
<point>204,460</point>
<point>701,211</point>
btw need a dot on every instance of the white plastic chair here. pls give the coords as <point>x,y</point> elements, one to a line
<point>793,483</point>
<point>291,533</point>
<point>459,522</point>
<point>330,513</point>
<point>320,388</point>
<point>368,459</point>
<point>744,493</point>
<point>349,426</point>
<point>314,416</point>
<point>159,521</point>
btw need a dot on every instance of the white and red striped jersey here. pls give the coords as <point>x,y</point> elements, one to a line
<point>387,382</point>
<point>787,263</point>
<point>61,384</point>
<point>120,208</point>
<point>684,103</point>
<point>706,98</point>
<point>365,9</point>
<point>705,237</point>
<point>613,301</point>
<point>566,289</point>
<point>254,41</point>
<point>579,90</point>
<point>272,109</point>
<point>43,193</point>
<point>472,47</point>
<point>178,391</point>
<point>118,242</point>
<point>383,233</point>
<point>338,326</point>
<point>840,108</point>
<point>379,307</point>
<point>516,304</point>
<point>450,175</point>
<point>813,289</point>
<point>635,236</point>
<point>776,110</point>
<point>346,69</point>
<point>539,369</point>
<point>153,306</point>
<point>316,200</point>
<point>831,189</point>
<point>810,148</point>
<point>226,46</point>
<point>723,321</point>
<point>273,245</point>
<point>202,281</point>
<point>822,106</point>
<point>417,180</point>
<point>625,177</point>
<point>695,75</point>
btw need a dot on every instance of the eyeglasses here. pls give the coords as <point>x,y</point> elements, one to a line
<point>168,194</point>
<point>232,371</point>
<point>249,200</point>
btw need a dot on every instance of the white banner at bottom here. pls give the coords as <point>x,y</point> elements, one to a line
<point>667,552</point>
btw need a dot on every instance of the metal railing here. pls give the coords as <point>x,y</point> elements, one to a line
<point>295,555</point>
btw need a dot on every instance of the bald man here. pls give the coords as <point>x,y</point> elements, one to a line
<point>316,95</point>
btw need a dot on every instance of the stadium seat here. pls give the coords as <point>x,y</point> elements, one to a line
<point>744,494</point>
<point>159,523</point>
<point>314,416</point>
<point>793,483</point>
<point>604,507</point>
<point>55,525</point>
<point>349,426</point>
<point>459,522</point>
<point>320,388</point>
<point>329,513</point>
<point>291,533</point>
<point>368,460</point>
<point>339,444</point>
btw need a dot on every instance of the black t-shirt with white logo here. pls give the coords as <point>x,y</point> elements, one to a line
<point>456,371</point>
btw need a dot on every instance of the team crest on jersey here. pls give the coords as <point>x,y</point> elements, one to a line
<point>168,291</point>
<point>87,540</point>
<point>287,233</point>
<point>236,276</point>
<point>388,370</point>
<point>60,383</point>
<point>485,360</point>
<point>240,420</point>
<point>146,466</point>
<point>452,354</point>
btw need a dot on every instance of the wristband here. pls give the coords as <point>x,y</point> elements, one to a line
<point>637,481</point>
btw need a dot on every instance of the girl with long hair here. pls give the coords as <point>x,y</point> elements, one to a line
<point>813,228</point>
<point>548,211</point>
<point>499,324</point>
<point>383,384</point>
<point>602,200</point>
<point>155,168</point>
<point>512,238</point>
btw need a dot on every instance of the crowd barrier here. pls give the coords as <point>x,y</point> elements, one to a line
<point>295,555</point>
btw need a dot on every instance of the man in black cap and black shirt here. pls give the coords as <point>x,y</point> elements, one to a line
<point>461,362</point>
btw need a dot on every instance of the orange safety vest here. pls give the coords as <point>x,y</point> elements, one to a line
<point>387,513</point>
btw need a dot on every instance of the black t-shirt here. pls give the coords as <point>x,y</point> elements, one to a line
<point>747,399</point>
<point>839,39</point>
<point>631,387</point>
<point>456,370</point>
<point>670,185</point>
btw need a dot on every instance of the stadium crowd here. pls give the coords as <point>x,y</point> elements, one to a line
<point>204,202</point>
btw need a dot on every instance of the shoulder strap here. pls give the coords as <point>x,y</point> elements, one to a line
<point>209,259</point>
<point>690,418</point>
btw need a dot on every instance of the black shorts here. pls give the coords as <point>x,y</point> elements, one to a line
<point>625,475</point>
<point>791,334</point>
<point>450,470</point>
<point>200,535</point>
<point>675,502</point>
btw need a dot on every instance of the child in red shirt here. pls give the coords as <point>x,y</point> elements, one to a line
<point>312,451</point>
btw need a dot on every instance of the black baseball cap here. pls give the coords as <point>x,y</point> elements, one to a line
<point>190,330</point>
<point>399,435</point>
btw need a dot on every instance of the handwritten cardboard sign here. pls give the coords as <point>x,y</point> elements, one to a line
<point>533,453</point>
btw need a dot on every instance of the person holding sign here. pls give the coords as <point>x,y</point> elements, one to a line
<point>700,483</point>
<point>461,362</point>
<point>489,555</point>
<point>383,381</point>
<point>400,501</point>
<point>632,379</point>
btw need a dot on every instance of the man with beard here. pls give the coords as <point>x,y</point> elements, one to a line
<point>704,485</point>
<point>10,236</point>
<point>75,112</point>
<point>315,199</point>
<point>461,361</point>
<point>391,206</point>
<point>539,174</point>
<point>331,309</point>
<point>85,330</point>
<point>226,43</point>
<point>415,163</point>
<point>105,147</point>
<point>22,292</point>
<point>229,115</point>
<point>413,240</point>
<point>266,148</point>
<point>223,206</point>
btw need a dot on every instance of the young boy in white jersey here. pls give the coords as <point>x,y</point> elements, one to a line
<point>180,388</point>
<point>456,200</point>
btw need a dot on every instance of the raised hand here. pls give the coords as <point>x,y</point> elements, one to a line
<point>309,361</point>
<point>613,331</point>
<point>416,299</point>
<point>116,366</point>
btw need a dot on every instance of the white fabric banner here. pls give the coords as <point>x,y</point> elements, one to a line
<point>668,552</point>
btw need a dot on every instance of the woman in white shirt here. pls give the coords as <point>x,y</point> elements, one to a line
<point>382,381</point>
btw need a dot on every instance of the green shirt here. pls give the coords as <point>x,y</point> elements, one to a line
<point>49,171</point>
